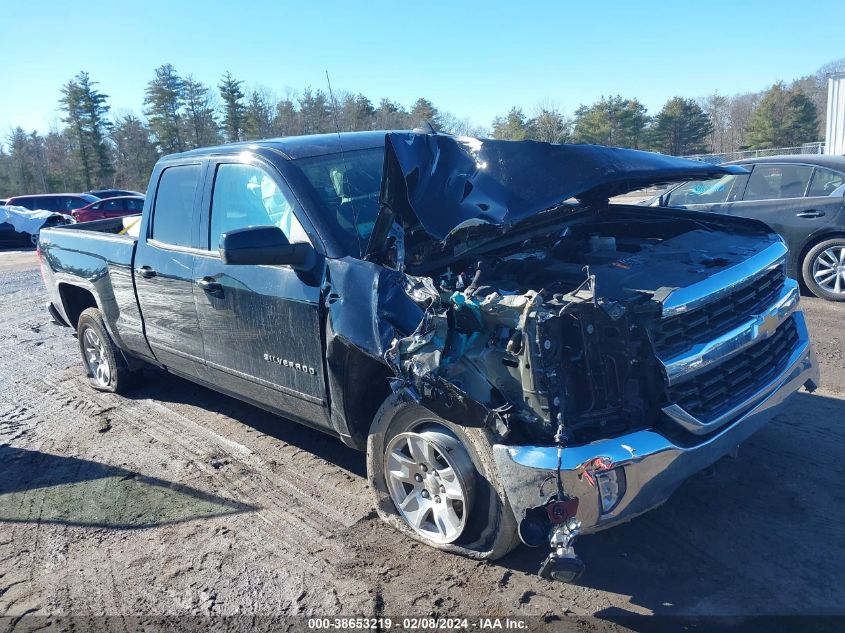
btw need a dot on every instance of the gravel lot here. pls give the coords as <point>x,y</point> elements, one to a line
<point>176,500</point>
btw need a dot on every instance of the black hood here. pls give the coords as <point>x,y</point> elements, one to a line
<point>441,183</point>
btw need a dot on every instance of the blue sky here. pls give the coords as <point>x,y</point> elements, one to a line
<point>475,59</point>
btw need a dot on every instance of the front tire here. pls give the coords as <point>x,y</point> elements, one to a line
<point>823,269</point>
<point>104,364</point>
<point>437,481</point>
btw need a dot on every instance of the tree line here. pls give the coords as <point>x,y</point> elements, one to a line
<point>95,148</point>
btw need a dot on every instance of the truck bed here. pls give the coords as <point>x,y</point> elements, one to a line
<point>95,258</point>
<point>111,226</point>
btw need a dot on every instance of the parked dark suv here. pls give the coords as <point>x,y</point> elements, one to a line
<point>800,197</point>
<point>113,193</point>
<point>59,202</point>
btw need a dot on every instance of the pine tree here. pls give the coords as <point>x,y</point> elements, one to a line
<point>356,113</point>
<point>135,152</point>
<point>423,113</point>
<point>315,112</point>
<point>390,116</point>
<point>611,121</point>
<point>512,127</point>
<point>163,100</point>
<point>258,115</point>
<point>201,128</point>
<point>681,128</point>
<point>85,113</point>
<point>233,108</point>
<point>783,118</point>
<point>285,119</point>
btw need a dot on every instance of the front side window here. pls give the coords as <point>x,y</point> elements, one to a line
<point>69,204</point>
<point>711,191</point>
<point>135,205</point>
<point>174,205</point>
<point>246,195</point>
<point>776,182</point>
<point>825,182</point>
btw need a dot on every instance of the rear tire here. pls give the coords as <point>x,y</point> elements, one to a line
<point>823,269</point>
<point>103,362</point>
<point>482,524</point>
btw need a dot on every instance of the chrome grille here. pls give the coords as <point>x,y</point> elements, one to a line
<point>679,333</point>
<point>717,390</point>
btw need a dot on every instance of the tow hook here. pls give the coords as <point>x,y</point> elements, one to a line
<point>554,523</point>
<point>562,562</point>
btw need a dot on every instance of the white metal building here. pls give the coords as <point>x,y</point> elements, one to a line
<point>835,135</point>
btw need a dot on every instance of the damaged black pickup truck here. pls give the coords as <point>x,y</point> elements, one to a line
<point>519,357</point>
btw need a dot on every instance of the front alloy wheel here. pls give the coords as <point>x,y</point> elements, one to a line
<point>430,479</point>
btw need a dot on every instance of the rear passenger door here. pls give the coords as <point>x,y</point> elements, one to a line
<point>777,194</point>
<point>164,270</point>
<point>261,324</point>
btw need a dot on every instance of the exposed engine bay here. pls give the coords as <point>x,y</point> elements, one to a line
<point>552,331</point>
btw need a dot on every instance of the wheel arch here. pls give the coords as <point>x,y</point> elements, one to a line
<point>75,300</point>
<point>358,386</point>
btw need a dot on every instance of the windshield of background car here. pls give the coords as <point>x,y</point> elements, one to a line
<point>711,191</point>
<point>347,186</point>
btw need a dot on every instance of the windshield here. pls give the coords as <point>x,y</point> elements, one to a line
<point>702,192</point>
<point>348,185</point>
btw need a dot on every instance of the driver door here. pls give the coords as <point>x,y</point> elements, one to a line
<point>261,325</point>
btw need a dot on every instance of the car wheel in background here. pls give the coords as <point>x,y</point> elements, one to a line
<point>103,362</point>
<point>437,481</point>
<point>824,269</point>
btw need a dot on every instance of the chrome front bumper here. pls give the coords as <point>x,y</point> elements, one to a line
<point>654,466</point>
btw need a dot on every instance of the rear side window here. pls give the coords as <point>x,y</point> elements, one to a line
<point>174,205</point>
<point>135,205</point>
<point>776,182</point>
<point>825,182</point>
<point>37,203</point>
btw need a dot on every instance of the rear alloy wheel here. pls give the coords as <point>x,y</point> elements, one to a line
<point>94,355</point>
<point>824,270</point>
<point>104,363</point>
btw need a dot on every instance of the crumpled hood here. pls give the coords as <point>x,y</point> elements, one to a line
<point>442,183</point>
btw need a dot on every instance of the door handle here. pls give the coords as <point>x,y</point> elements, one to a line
<point>145,271</point>
<point>812,213</point>
<point>210,286</point>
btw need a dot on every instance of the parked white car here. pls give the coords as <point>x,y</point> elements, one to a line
<point>19,225</point>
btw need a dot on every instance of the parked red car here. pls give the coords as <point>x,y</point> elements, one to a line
<point>109,208</point>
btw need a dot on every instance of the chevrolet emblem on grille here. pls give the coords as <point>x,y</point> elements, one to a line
<point>767,326</point>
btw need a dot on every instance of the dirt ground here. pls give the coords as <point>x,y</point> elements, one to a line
<point>176,500</point>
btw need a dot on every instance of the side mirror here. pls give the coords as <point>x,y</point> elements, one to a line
<point>662,200</point>
<point>267,245</point>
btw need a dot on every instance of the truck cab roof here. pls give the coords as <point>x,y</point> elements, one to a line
<point>295,147</point>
